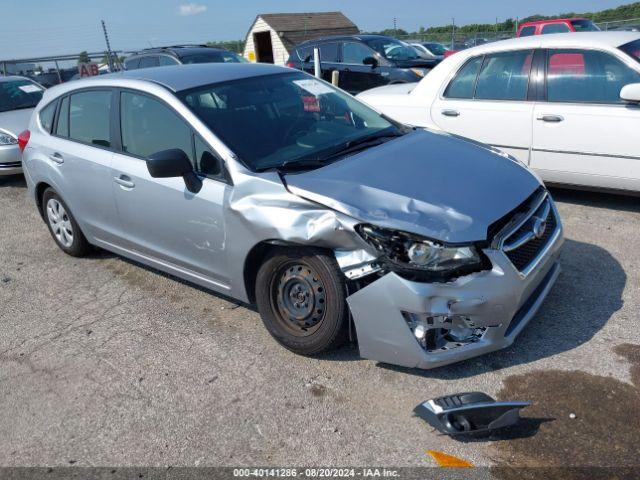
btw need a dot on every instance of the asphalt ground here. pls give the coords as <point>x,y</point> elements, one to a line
<point>106,363</point>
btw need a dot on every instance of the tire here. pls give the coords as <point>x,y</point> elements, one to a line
<point>62,225</point>
<point>301,297</point>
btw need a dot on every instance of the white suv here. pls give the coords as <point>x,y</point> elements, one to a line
<point>567,105</point>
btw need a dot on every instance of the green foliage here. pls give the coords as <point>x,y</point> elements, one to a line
<point>623,12</point>
<point>236,46</point>
<point>84,57</point>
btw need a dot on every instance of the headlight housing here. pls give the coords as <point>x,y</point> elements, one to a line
<point>6,139</point>
<point>419,258</point>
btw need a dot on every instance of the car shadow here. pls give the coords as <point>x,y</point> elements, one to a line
<point>586,295</point>
<point>13,181</point>
<point>596,199</point>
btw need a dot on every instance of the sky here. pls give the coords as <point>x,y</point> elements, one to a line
<point>33,28</point>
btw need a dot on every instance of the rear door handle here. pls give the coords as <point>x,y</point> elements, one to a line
<point>551,118</point>
<point>124,181</point>
<point>57,158</point>
<point>450,113</point>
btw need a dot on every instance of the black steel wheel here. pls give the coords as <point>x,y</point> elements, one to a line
<point>301,297</point>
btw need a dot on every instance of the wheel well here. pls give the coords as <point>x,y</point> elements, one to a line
<point>256,257</point>
<point>40,188</point>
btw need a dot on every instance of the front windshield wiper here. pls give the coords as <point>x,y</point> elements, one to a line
<point>325,157</point>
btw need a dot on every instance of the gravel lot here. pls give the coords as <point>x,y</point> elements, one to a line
<point>106,363</point>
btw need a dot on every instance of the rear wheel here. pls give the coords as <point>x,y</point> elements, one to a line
<point>301,296</point>
<point>63,227</point>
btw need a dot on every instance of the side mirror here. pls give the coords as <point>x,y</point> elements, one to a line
<point>631,93</point>
<point>174,163</point>
<point>370,61</point>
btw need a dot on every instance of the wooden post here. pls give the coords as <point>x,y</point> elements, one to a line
<point>316,62</point>
<point>335,77</point>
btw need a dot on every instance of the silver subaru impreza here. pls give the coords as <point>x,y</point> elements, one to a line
<point>267,185</point>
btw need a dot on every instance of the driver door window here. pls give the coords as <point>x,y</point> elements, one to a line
<point>355,53</point>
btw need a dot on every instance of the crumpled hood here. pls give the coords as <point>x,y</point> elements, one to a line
<point>428,183</point>
<point>15,121</point>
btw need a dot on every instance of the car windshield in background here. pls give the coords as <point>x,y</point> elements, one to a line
<point>632,49</point>
<point>18,94</point>
<point>435,48</point>
<point>393,49</point>
<point>281,120</point>
<point>584,26</point>
<point>212,57</point>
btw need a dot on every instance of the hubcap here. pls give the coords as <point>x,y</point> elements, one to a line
<point>59,222</point>
<point>299,298</point>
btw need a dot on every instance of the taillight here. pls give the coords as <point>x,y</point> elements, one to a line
<point>291,65</point>
<point>23,139</point>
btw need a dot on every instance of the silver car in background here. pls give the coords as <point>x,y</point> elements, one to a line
<point>18,98</point>
<point>270,186</point>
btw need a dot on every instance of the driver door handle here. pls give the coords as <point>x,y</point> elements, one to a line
<point>124,181</point>
<point>551,118</point>
<point>451,113</point>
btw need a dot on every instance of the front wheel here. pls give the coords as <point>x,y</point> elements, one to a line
<point>301,297</point>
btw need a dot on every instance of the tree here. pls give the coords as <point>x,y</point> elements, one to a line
<point>84,57</point>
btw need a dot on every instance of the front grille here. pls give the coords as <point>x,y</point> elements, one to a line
<point>522,256</point>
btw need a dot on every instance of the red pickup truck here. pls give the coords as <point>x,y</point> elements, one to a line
<point>557,25</point>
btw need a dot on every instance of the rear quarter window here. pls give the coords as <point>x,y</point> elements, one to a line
<point>464,83</point>
<point>46,116</point>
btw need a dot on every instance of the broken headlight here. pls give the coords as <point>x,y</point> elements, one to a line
<point>418,257</point>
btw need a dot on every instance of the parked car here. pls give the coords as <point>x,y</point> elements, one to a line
<point>566,105</point>
<point>18,98</point>
<point>270,186</point>
<point>557,25</point>
<point>180,55</point>
<point>54,77</point>
<point>364,61</point>
<point>430,51</point>
<point>624,28</point>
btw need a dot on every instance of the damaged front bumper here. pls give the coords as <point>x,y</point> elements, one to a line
<point>492,307</point>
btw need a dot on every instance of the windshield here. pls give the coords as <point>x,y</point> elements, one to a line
<point>435,48</point>
<point>584,26</point>
<point>17,94</point>
<point>632,49</point>
<point>276,120</point>
<point>393,49</point>
<point>213,57</point>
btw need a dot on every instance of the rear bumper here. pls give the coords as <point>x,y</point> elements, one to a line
<point>501,301</point>
<point>10,162</point>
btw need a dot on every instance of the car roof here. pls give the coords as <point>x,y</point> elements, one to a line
<point>552,20</point>
<point>13,78</point>
<point>184,77</point>
<point>334,38</point>
<point>177,50</point>
<point>560,40</point>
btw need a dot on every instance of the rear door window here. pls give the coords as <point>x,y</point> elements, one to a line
<point>555,28</point>
<point>505,76</point>
<point>328,52</point>
<point>149,61</point>
<point>463,85</point>
<point>586,76</point>
<point>165,60</point>
<point>89,117</point>
<point>132,64</point>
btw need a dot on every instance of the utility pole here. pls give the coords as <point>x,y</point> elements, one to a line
<point>395,27</point>
<point>106,39</point>
<point>453,33</point>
